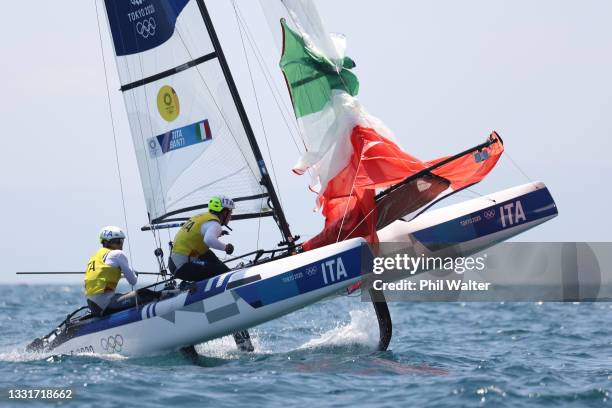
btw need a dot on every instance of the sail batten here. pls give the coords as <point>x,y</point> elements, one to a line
<point>190,133</point>
<point>264,213</point>
<point>169,72</point>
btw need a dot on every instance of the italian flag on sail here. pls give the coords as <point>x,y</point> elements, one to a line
<point>350,153</point>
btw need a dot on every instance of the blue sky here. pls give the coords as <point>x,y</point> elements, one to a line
<point>440,74</point>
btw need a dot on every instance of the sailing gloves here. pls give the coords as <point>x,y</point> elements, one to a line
<point>229,249</point>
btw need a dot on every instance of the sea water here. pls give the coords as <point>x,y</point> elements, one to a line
<point>441,354</point>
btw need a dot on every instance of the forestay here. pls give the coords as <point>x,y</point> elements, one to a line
<point>187,132</point>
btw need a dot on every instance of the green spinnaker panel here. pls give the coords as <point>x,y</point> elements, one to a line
<point>312,77</point>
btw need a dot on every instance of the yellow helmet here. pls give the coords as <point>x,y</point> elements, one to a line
<point>218,203</point>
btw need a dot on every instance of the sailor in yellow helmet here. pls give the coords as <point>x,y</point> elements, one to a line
<point>104,270</point>
<point>192,257</point>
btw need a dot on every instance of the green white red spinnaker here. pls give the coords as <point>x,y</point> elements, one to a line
<point>350,153</point>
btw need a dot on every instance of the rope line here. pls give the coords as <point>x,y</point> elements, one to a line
<point>263,127</point>
<point>348,202</point>
<point>221,113</point>
<point>276,93</point>
<point>518,167</point>
<point>110,110</point>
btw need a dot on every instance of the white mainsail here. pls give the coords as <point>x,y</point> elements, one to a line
<point>187,132</point>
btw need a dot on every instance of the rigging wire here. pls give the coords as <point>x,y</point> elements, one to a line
<point>221,113</point>
<point>345,85</point>
<point>477,194</point>
<point>276,93</point>
<point>518,167</point>
<point>110,109</point>
<point>373,124</point>
<point>141,138</point>
<point>262,201</point>
<point>263,127</point>
<point>169,238</point>
<point>352,187</point>
<point>156,240</point>
<point>142,141</point>
<point>286,113</point>
<point>474,192</point>
<point>347,206</point>
<point>323,88</point>
<point>156,234</point>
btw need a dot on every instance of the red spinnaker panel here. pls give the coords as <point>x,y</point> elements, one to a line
<point>349,203</point>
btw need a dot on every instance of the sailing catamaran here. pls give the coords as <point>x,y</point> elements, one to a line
<point>193,139</point>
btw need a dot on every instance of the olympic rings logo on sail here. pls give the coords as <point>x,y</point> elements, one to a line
<point>112,344</point>
<point>146,28</point>
<point>136,2</point>
<point>489,214</point>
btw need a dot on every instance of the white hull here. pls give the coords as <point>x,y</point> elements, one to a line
<point>471,226</point>
<point>296,281</point>
<point>245,298</point>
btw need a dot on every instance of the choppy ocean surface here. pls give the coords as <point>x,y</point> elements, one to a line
<point>442,354</point>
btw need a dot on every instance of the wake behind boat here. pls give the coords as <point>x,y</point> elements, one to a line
<point>193,138</point>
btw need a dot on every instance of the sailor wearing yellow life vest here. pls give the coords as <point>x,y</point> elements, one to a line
<point>104,271</point>
<point>191,258</point>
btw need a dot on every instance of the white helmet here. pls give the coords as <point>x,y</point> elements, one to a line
<point>218,203</point>
<point>227,202</point>
<point>110,232</point>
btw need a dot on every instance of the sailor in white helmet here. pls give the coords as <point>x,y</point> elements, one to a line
<point>192,257</point>
<point>104,271</point>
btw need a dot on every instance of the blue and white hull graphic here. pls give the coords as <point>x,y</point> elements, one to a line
<point>471,226</point>
<point>247,297</point>
<point>221,305</point>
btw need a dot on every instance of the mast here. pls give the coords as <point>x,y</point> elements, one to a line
<point>266,181</point>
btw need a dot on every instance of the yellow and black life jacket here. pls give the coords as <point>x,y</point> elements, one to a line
<point>189,240</point>
<point>100,277</point>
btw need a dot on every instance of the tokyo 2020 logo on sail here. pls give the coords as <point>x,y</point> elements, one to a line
<point>146,28</point>
<point>112,344</point>
<point>168,104</point>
